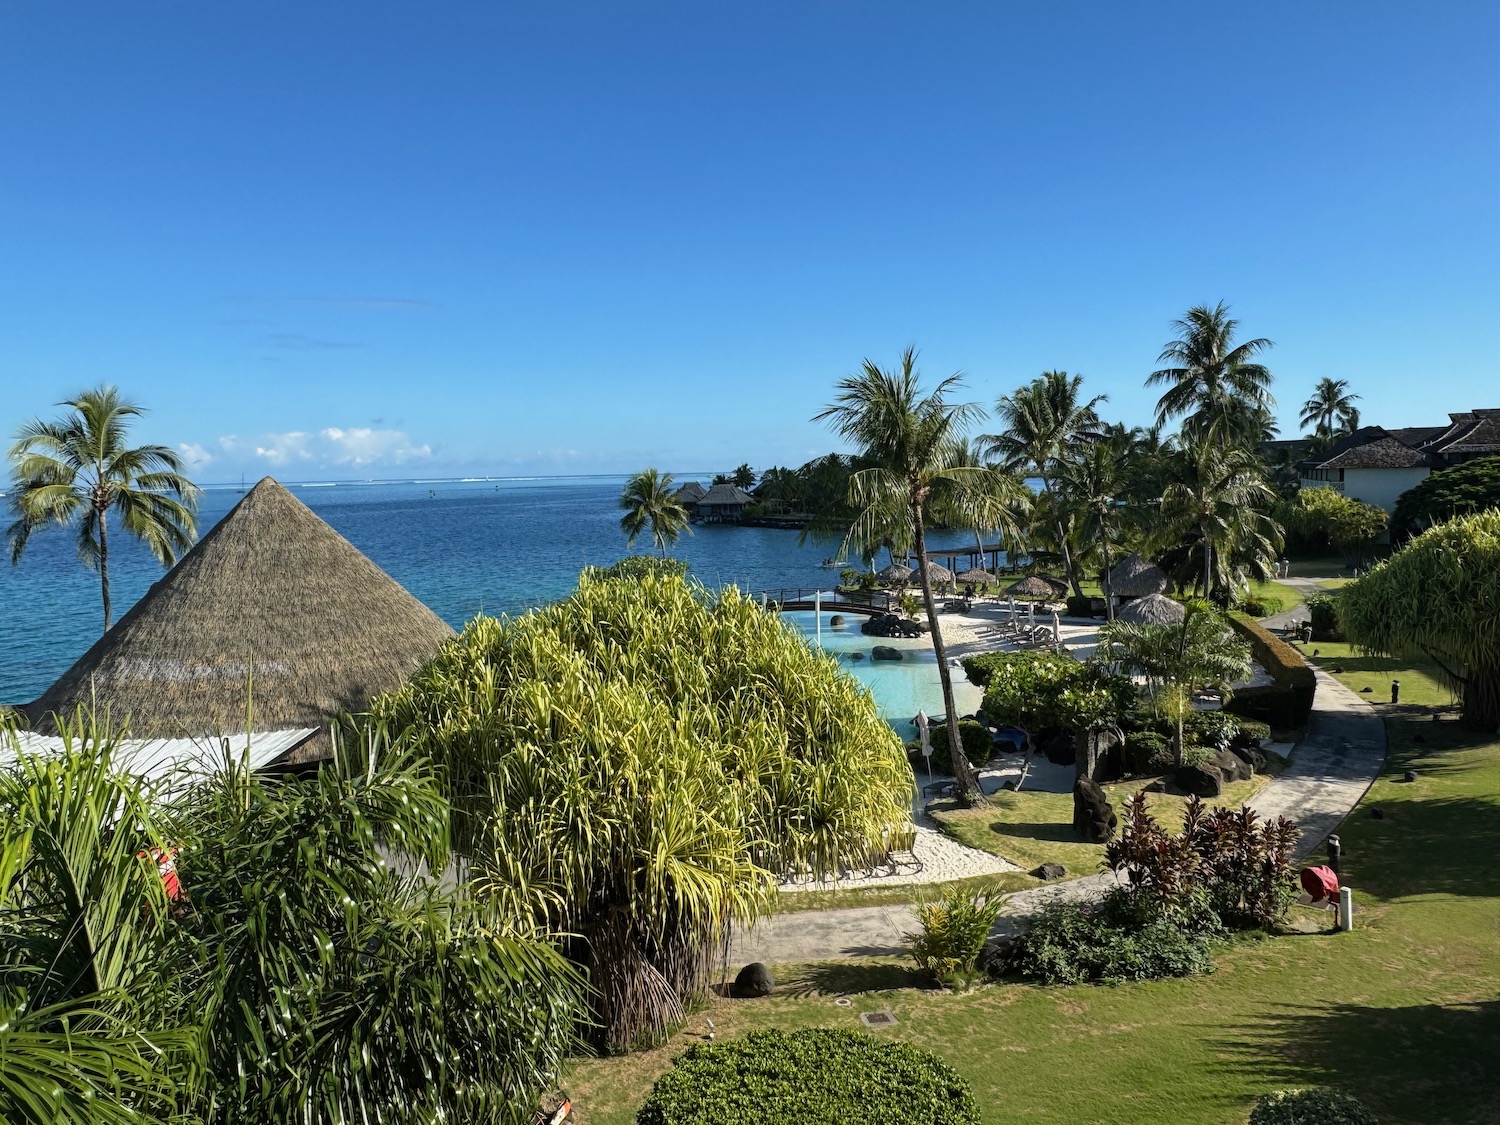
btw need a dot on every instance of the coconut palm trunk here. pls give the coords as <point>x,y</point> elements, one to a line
<point>103,515</point>
<point>969,791</point>
<point>1208,563</point>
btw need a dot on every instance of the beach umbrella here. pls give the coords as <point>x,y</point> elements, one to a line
<point>1031,587</point>
<point>975,577</point>
<point>895,575</point>
<point>939,575</point>
<point>1136,577</point>
<point>1012,608</point>
<point>1056,627</point>
<point>926,737</point>
<point>1153,609</point>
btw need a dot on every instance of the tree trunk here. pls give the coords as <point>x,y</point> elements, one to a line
<point>104,564</point>
<point>1109,595</point>
<point>1208,558</point>
<point>1481,704</point>
<point>969,793</point>
<point>1062,544</point>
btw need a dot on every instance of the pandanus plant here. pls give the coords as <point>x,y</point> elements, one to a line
<point>635,767</point>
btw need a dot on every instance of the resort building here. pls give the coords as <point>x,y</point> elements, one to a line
<point>1377,465</point>
<point>272,624</point>
<point>689,495</point>
<point>723,503</point>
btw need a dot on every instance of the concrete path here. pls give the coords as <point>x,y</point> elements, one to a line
<point>1332,768</point>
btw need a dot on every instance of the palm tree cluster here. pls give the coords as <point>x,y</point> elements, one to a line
<point>283,972</point>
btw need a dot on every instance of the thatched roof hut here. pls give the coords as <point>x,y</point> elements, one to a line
<point>975,577</point>
<point>1135,577</point>
<point>1153,609</point>
<point>272,597</point>
<point>895,575</point>
<point>1032,586</point>
<point>938,574</point>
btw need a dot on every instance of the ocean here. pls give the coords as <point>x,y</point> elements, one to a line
<point>462,547</point>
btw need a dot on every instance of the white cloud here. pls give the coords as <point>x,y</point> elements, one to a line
<point>194,456</point>
<point>330,447</point>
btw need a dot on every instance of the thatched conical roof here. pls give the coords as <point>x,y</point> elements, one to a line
<point>938,574</point>
<point>271,592</point>
<point>895,574</point>
<point>1135,577</point>
<point>975,577</point>
<point>1032,587</point>
<point>1153,609</point>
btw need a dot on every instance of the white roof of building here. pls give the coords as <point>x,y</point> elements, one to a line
<point>160,758</point>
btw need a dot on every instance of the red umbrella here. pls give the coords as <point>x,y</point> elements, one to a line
<point>1320,883</point>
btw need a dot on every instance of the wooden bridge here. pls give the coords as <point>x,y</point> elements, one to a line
<point>788,599</point>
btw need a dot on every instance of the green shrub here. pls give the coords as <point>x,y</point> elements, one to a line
<point>1194,754</point>
<point>1286,665</point>
<point>1124,937</point>
<point>1042,690</point>
<point>781,1077</point>
<point>639,566</point>
<point>980,668</point>
<point>1148,753</point>
<point>978,744</point>
<point>1211,728</point>
<point>1310,1107</point>
<point>1259,607</point>
<point>953,934</point>
<point>1323,615</point>
<point>1270,704</point>
<point>1080,606</point>
<point>1251,730</point>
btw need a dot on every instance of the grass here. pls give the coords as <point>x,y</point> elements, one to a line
<point>1030,829</point>
<point>1421,682</point>
<point>1275,595</point>
<point>1404,1011</point>
<point>796,901</point>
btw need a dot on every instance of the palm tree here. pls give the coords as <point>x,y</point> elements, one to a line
<point>1044,421</point>
<point>1331,407</point>
<point>909,438</point>
<point>1220,491</point>
<point>1215,383</point>
<point>996,500</point>
<point>79,469</point>
<point>1091,485</point>
<point>648,502</point>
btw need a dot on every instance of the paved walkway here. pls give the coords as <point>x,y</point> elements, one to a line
<point>1332,768</point>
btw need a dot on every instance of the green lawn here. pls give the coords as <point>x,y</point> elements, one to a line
<point>1030,829</point>
<point>1404,1011</point>
<point>1421,682</point>
<point>792,902</point>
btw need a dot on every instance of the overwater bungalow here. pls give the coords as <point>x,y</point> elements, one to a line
<point>689,495</point>
<point>272,625</point>
<point>723,503</point>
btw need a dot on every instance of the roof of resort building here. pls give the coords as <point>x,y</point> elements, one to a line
<point>724,495</point>
<point>273,617</point>
<point>164,758</point>
<point>1153,609</point>
<point>1369,447</point>
<point>1468,432</point>
<point>1032,586</point>
<point>1135,577</point>
<point>689,493</point>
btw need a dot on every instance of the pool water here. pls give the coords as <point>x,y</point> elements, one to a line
<point>901,688</point>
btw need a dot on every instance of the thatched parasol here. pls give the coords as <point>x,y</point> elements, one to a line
<point>1135,577</point>
<point>895,575</point>
<point>938,574</point>
<point>1153,609</point>
<point>1032,587</point>
<point>271,596</point>
<point>974,577</point>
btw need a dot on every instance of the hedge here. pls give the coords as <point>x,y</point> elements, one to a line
<point>1293,675</point>
<point>1310,1107</point>
<point>823,1074</point>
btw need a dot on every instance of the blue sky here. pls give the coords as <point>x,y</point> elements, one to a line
<point>367,240</point>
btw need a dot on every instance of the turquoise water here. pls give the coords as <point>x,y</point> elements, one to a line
<point>901,688</point>
<point>462,547</point>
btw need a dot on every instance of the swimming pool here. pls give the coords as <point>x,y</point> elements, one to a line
<point>901,687</point>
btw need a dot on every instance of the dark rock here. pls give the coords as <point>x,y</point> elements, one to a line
<point>1060,750</point>
<point>1377,814</point>
<point>1094,821</point>
<point>1409,775</point>
<point>856,656</point>
<point>1050,871</point>
<point>1202,781</point>
<point>1157,786</point>
<point>1365,690</point>
<point>837,621</point>
<point>884,625</point>
<point>885,652</point>
<point>1336,670</point>
<point>754,980</point>
<point>1232,766</point>
<point>1252,756</point>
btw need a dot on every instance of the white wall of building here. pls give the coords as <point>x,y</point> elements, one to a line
<point>1381,487</point>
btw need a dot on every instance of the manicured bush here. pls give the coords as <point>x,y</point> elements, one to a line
<point>1044,690</point>
<point>1286,665</point>
<point>1310,1107</point>
<point>1124,937</point>
<point>978,744</point>
<point>1251,731</point>
<point>782,1077</point>
<point>953,934</point>
<point>1148,753</point>
<point>1269,704</point>
<point>1258,607</point>
<point>980,668</point>
<point>1323,615</point>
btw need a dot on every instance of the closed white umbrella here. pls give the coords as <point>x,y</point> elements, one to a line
<point>926,737</point>
<point>1056,628</point>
